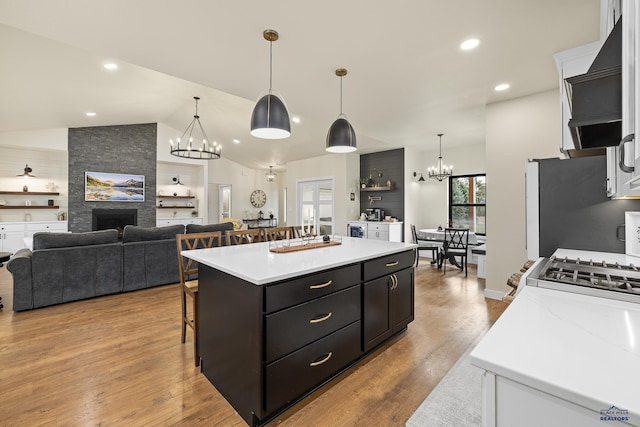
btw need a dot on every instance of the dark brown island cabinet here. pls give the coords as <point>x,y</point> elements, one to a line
<point>265,347</point>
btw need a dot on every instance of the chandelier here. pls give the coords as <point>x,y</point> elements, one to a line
<point>271,176</point>
<point>440,171</point>
<point>186,146</point>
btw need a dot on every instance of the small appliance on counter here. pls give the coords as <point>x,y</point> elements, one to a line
<point>375,214</point>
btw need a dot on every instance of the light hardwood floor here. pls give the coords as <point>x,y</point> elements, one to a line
<point>118,361</point>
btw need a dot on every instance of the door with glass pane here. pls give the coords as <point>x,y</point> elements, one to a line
<point>225,201</point>
<point>315,205</point>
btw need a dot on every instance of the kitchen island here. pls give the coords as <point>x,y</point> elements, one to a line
<point>273,327</point>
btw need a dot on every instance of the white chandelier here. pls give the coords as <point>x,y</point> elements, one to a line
<point>440,171</point>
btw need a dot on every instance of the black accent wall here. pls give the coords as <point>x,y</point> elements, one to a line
<point>575,212</point>
<point>391,165</point>
<point>115,149</point>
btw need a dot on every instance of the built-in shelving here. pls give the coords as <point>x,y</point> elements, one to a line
<point>387,188</point>
<point>175,197</point>
<point>175,207</point>
<point>30,193</point>
<point>28,207</point>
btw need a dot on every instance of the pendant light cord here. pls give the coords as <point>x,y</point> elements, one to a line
<point>341,95</point>
<point>270,65</point>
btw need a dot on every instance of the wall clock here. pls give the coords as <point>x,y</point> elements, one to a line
<point>258,198</point>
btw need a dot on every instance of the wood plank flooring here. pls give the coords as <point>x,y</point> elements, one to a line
<point>117,360</point>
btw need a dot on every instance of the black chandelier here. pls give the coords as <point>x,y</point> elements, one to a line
<point>440,171</point>
<point>189,148</point>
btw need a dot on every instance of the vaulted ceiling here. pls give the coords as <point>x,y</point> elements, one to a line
<point>407,80</point>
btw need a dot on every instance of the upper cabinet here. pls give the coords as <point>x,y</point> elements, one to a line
<point>623,170</point>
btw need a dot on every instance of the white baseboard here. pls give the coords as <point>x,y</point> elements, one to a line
<point>493,294</point>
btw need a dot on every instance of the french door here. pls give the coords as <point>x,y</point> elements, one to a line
<point>315,204</point>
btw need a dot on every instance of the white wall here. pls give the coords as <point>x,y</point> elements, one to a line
<point>46,153</point>
<point>516,130</point>
<point>434,195</point>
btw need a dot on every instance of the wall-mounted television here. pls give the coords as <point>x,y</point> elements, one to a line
<point>113,187</point>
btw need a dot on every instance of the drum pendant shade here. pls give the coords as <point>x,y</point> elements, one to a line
<point>270,119</point>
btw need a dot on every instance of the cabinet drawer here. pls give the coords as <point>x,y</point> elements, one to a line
<point>53,226</point>
<point>300,371</point>
<point>295,327</point>
<point>296,291</point>
<point>11,227</point>
<point>388,264</point>
<point>378,227</point>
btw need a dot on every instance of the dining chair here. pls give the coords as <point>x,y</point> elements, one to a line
<point>240,237</point>
<point>297,230</point>
<point>278,233</point>
<point>189,280</point>
<point>456,244</point>
<point>424,244</point>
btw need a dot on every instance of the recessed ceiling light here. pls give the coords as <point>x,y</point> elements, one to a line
<point>295,119</point>
<point>469,44</point>
<point>90,114</point>
<point>110,66</point>
<point>502,86</point>
<point>237,141</point>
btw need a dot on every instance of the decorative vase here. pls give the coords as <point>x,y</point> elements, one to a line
<point>25,189</point>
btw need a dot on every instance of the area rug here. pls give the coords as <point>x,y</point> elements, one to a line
<point>456,400</point>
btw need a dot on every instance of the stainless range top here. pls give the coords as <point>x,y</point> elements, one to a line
<point>598,278</point>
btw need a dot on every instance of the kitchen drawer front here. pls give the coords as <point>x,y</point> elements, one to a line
<point>379,227</point>
<point>295,327</point>
<point>290,377</point>
<point>11,227</point>
<point>54,226</point>
<point>388,264</point>
<point>296,291</point>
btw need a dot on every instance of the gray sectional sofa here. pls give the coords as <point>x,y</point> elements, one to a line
<point>65,267</point>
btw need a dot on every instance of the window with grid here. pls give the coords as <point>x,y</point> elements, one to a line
<point>468,202</point>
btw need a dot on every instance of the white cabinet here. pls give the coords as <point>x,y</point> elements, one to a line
<point>623,162</point>
<point>11,237</point>
<point>378,231</point>
<point>509,403</point>
<point>13,234</point>
<point>388,231</point>
<point>163,222</point>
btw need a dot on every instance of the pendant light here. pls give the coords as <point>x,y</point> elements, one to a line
<point>271,176</point>
<point>341,137</point>
<point>440,171</point>
<point>270,119</point>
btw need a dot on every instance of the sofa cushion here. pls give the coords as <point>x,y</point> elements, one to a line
<point>133,233</point>
<point>64,240</point>
<point>207,228</point>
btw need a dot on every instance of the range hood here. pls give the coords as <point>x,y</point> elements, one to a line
<point>595,98</point>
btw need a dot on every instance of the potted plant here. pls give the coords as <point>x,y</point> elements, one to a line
<point>363,182</point>
<point>194,214</point>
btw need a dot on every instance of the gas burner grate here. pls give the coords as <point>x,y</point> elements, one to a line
<point>600,275</point>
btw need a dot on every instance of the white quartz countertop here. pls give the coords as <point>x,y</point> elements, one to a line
<point>256,264</point>
<point>580,348</point>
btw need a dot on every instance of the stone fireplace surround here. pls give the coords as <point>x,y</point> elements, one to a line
<point>116,149</point>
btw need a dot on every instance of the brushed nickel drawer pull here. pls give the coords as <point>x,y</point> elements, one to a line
<point>320,319</point>
<point>391,264</point>
<point>320,362</point>
<point>321,285</point>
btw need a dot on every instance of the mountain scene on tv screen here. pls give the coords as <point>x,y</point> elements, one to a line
<point>114,187</point>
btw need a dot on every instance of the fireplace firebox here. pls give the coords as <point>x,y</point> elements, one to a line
<point>105,219</point>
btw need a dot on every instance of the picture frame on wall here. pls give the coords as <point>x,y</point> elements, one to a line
<point>113,187</point>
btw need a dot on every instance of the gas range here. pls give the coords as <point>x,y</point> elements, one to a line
<point>597,274</point>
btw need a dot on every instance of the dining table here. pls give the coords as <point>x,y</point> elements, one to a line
<point>437,235</point>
